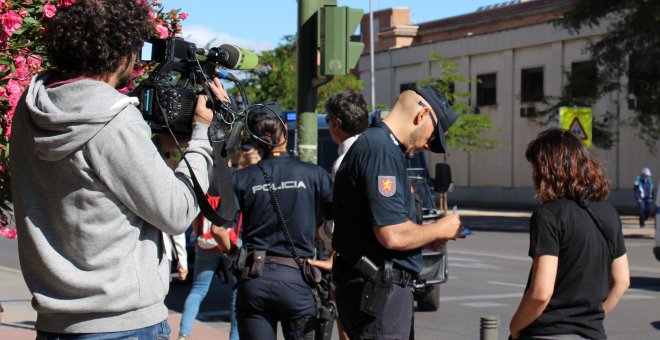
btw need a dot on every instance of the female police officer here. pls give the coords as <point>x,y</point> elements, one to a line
<point>281,199</point>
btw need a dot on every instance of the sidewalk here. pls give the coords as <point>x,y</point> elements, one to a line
<point>19,317</point>
<point>518,221</point>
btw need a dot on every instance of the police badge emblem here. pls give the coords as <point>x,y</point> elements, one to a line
<point>387,185</point>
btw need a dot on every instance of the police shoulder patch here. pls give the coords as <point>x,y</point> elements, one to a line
<point>387,185</point>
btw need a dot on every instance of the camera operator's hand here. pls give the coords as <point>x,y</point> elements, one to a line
<point>203,111</point>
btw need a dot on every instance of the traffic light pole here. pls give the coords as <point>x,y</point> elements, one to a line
<point>307,48</point>
<point>321,24</point>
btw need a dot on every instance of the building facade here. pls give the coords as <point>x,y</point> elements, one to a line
<point>519,57</point>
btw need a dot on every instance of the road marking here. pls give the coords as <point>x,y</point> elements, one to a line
<point>481,297</point>
<point>504,257</point>
<point>648,270</point>
<point>473,265</point>
<point>11,270</point>
<point>483,304</point>
<point>507,284</point>
<point>637,297</point>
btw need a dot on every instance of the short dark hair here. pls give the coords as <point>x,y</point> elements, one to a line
<point>91,36</point>
<point>563,168</point>
<point>350,110</point>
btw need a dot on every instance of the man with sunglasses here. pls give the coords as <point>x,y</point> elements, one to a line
<point>374,210</point>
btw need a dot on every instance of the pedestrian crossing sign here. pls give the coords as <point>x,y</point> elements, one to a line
<point>577,120</point>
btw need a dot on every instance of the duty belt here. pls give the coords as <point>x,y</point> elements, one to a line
<point>401,277</point>
<point>281,260</point>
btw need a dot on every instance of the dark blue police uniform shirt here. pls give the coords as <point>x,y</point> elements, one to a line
<point>372,189</point>
<point>304,192</point>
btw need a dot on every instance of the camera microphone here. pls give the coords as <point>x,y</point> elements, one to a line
<point>230,56</point>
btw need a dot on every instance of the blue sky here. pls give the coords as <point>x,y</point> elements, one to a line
<point>260,24</point>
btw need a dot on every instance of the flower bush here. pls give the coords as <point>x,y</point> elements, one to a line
<point>22,55</point>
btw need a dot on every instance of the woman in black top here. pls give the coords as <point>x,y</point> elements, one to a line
<point>580,267</point>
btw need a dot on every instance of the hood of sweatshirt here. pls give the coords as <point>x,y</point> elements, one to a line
<point>62,119</point>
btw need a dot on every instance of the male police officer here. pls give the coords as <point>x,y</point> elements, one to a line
<point>374,211</point>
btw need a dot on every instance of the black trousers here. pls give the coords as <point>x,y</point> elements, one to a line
<point>279,294</point>
<point>395,321</point>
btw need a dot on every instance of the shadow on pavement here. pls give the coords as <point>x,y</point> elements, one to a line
<point>645,283</point>
<point>496,223</point>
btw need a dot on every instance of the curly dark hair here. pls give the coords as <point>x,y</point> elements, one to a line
<point>563,168</point>
<point>92,36</point>
<point>350,111</point>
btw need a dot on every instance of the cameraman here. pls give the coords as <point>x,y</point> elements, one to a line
<point>92,195</point>
<point>271,288</point>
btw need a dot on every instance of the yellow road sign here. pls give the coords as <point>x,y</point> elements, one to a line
<point>577,120</point>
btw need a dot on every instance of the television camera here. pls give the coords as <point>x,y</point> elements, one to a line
<point>167,97</point>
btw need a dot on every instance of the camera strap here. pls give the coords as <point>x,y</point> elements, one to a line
<point>222,187</point>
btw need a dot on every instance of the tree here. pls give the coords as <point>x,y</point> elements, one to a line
<point>275,78</point>
<point>22,55</point>
<point>466,133</point>
<point>631,47</point>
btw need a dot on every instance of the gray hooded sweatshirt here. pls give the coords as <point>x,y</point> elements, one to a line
<point>91,197</point>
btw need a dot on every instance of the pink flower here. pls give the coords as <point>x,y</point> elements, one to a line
<point>183,16</point>
<point>162,31</point>
<point>7,129</point>
<point>65,3</point>
<point>9,233</point>
<point>137,71</point>
<point>13,100</point>
<point>34,62</point>
<point>11,21</point>
<point>14,87</point>
<point>20,61</point>
<point>142,2</point>
<point>22,73</point>
<point>49,10</point>
<point>152,16</point>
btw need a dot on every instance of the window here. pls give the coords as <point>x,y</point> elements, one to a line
<point>407,86</point>
<point>582,80</point>
<point>486,90</point>
<point>639,71</point>
<point>531,85</point>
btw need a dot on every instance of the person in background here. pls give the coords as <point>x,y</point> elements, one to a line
<point>91,250</point>
<point>644,195</point>
<point>208,255</point>
<point>347,117</point>
<point>248,156</point>
<point>175,245</point>
<point>579,263</point>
